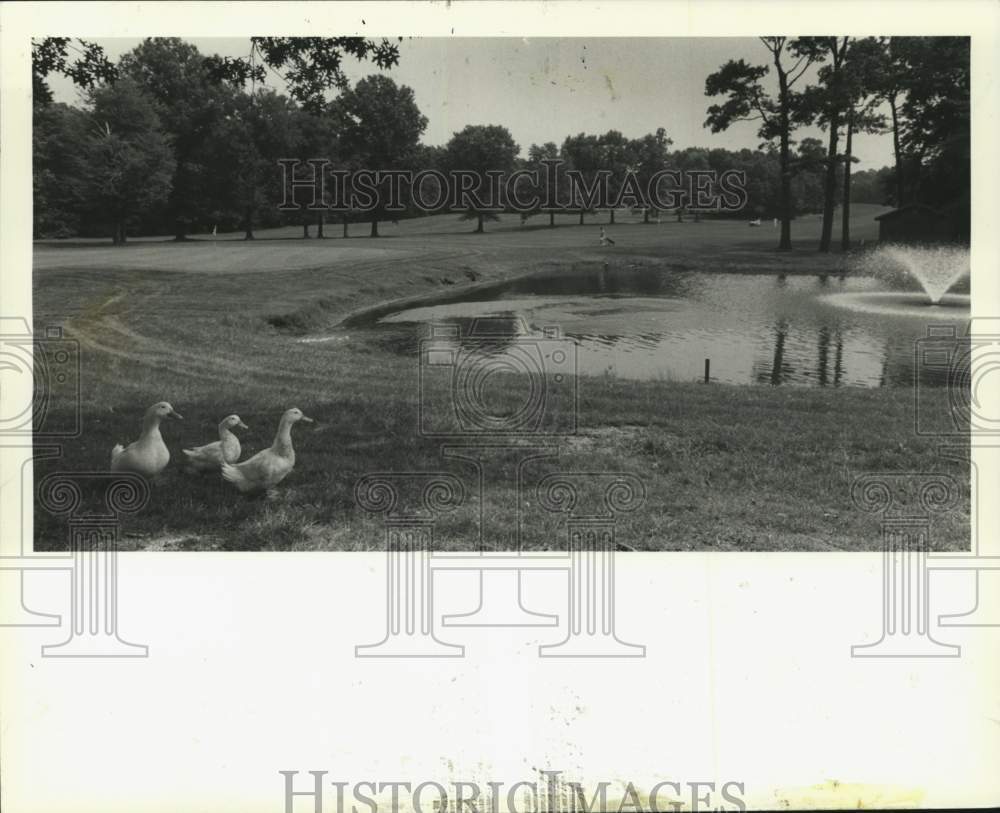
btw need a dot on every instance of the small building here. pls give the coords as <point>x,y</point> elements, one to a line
<point>916,223</point>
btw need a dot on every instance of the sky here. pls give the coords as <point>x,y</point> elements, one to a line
<point>543,89</point>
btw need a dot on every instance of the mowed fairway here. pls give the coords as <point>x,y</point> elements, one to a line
<point>216,326</point>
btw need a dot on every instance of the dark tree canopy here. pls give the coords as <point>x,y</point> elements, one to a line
<point>85,63</point>
<point>309,66</point>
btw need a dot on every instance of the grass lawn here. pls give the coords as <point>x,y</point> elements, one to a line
<point>216,327</point>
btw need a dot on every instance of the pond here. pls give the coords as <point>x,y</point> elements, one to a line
<point>647,323</point>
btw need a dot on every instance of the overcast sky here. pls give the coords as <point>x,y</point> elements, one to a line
<point>545,89</point>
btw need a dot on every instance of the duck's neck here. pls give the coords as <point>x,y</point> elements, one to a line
<point>224,433</point>
<point>151,426</point>
<point>283,439</point>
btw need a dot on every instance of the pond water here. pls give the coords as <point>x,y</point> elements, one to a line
<point>645,323</point>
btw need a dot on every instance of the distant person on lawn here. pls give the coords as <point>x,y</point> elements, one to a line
<point>605,240</point>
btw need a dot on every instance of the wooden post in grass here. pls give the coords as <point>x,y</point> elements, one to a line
<point>708,364</point>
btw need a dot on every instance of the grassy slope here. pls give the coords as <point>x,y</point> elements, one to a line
<point>725,467</point>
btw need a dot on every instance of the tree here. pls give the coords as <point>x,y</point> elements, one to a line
<point>482,149</point>
<point>649,155</point>
<point>616,159</point>
<point>382,128</point>
<point>129,157</point>
<point>59,169</point>
<point>314,135</point>
<point>861,79</point>
<point>692,159</point>
<point>826,102</point>
<point>312,65</point>
<point>87,69</point>
<point>936,132</point>
<point>551,176</point>
<point>749,101</point>
<point>809,167</point>
<point>871,186</point>
<point>191,107</point>
<point>583,154</point>
<point>891,79</point>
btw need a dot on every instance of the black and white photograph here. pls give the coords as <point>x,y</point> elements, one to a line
<point>708,263</point>
<point>545,406</point>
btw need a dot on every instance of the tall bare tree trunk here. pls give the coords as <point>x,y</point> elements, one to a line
<point>838,55</point>
<point>612,213</point>
<point>897,150</point>
<point>845,214</point>
<point>552,220</point>
<point>374,231</point>
<point>785,201</point>
<point>830,185</point>
<point>319,226</point>
<point>479,223</point>
<point>305,229</point>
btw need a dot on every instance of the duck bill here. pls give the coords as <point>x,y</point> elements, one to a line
<point>176,415</point>
<point>242,425</point>
<point>307,420</point>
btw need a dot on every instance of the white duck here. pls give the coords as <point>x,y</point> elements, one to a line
<point>226,449</point>
<point>149,454</point>
<point>266,469</point>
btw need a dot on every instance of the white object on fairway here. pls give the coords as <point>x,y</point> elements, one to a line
<point>226,449</point>
<point>149,454</point>
<point>266,469</point>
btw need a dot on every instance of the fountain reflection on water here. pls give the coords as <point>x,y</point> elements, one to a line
<point>658,323</point>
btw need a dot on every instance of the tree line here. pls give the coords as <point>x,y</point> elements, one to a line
<point>924,82</point>
<point>171,141</point>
